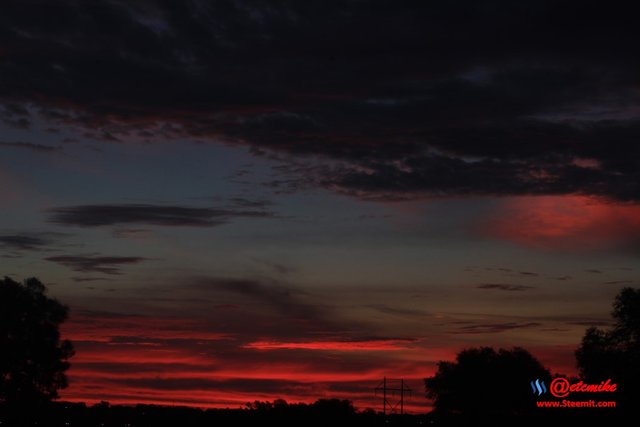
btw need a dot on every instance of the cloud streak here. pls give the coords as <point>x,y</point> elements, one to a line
<point>364,345</point>
<point>23,242</point>
<point>494,328</point>
<point>285,300</point>
<point>38,148</point>
<point>147,214</point>
<point>397,311</point>
<point>30,241</point>
<point>504,287</point>
<point>95,264</point>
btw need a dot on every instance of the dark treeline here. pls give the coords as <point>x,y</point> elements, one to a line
<point>323,412</point>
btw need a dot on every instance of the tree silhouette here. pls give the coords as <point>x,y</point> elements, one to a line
<point>33,359</point>
<point>483,382</point>
<point>615,353</point>
<point>333,408</point>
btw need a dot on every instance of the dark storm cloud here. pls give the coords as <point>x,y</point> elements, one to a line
<point>100,215</point>
<point>427,98</point>
<point>94,263</point>
<point>504,287</point>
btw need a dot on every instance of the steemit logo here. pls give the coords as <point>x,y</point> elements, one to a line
<point>538,387</point>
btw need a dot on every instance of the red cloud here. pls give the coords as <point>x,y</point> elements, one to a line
<point>564,222</point>
<point>369,345</point>
<point>165,360</point>
<point>97,327</point>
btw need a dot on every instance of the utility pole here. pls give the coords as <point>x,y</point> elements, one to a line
<point>401,396</point>
<point>384,396</point>
<point>392,389</point>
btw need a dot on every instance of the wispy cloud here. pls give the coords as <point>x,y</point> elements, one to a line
<point>397,311</point>
<point>364,345</point>
<point>162,215</point>
<point>529,273</point>
<point>618,282</point>
<point>90,279</point>
<point>30,241</point>
<point>504,287</point>
<point>30,146</point>
<point>132,233</point>
<point>95,264</point>
<point>243,202</point>
<point>493,328</point>
<point>590,323</point>
<point>283,298</point>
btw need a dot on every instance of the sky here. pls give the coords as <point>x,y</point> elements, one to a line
<point>252,200</point>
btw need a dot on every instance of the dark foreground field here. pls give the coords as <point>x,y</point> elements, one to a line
<point>321,413</point>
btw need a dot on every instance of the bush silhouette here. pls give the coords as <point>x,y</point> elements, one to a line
<point>33,359</point>
<point>483,382</point>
